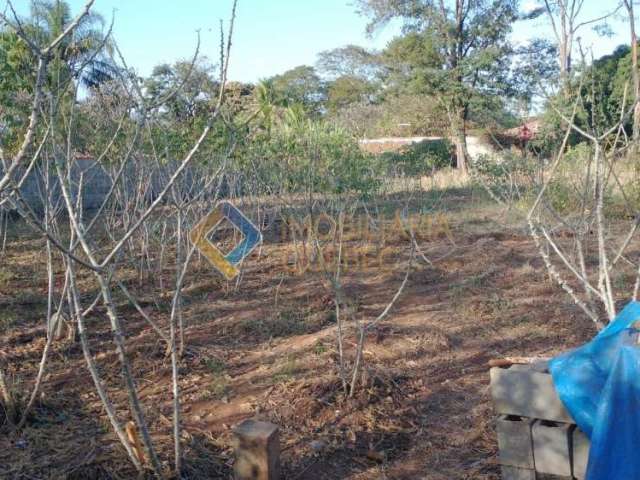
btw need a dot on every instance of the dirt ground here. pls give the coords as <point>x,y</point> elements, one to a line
<point>266,349</point>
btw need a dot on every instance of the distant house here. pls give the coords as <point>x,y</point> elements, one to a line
<point>525,132</point>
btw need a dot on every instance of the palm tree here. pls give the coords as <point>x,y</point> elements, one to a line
<point>81,56</point>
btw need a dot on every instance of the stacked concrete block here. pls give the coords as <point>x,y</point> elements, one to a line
<point>552,447</point>
<point>537,437</point>
<point>580,453</point>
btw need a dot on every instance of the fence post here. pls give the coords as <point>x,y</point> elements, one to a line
<point>257,451</point>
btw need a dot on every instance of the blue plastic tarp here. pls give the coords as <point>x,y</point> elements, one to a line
<point>599,384</point>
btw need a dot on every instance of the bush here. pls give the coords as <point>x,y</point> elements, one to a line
<point>420,158</point>
<point>312,155</point>
<point>397,115</point>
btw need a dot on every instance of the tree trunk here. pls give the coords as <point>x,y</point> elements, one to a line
<point>459,138</point>
<point>634,70</point>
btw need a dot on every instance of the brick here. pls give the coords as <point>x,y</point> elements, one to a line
<point>524,392</point>
<point>514,441</point>
<point>515,473</point>
<point>552,447</point>
<point>579,454</point>
<point>257,451</point>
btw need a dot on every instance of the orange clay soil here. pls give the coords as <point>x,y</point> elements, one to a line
<point>267,350</point>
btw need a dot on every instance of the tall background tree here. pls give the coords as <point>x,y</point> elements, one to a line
<point>468,50</point>
<point>82,57</point>
<point>635,75</point>
<point>565,19</point>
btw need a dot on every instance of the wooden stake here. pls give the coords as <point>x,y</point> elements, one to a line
<point>132,434</point>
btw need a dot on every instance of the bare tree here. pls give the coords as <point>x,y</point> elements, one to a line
<point>105,241</point>
<point>564,16</point>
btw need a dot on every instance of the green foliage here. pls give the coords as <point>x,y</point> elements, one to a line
<point>15,72</point>
<point>604,88</point>
<point>535,63</point>
<point>190,90</point>
<point>214,365</point>
<point>300,85</point>
<point>421,158</point>
<point>601,88</point>
<point>561,196</point>
<point>16,86</point>
<point>350,61</point>
<point>413,62</point>
<point>78,58</point>
<point>306,155</point>
<point>218,387</point>
<point>458,52</point>
<point>565,191</point>
<point>398,115</point>
<point>287,370</point>
<point>348,90</point>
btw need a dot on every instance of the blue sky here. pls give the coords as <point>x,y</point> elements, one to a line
<point>271,35</point>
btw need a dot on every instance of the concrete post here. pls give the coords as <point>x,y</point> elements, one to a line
<point>257,451</point>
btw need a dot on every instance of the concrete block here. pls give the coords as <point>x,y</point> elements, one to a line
<point>526,392</point>
<point>515,473</point>
<point>257,451</point>
<point>552,447</point>
<point>514,441</point>
<point>540,366</point>
<point>579,454</point>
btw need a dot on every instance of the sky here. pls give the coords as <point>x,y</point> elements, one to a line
<point>273,36</point>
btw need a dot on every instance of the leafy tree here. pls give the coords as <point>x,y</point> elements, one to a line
<point>348,90</point>
<point>270,103</point>
<point>465,43</point>
<point>14,66</point>
<point>603,89</point>
<point>15,86</point>
<point>409,61</point>
<point>396,115</point>
<point>190,89</point>
<point>349,61</point>
<point>80,56</point>
<point>300,85</point>
<point>534,66</point>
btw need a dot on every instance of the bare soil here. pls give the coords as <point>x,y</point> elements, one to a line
<point>266,349</point>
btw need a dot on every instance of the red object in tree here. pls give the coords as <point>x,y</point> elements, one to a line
<point>525,134</point>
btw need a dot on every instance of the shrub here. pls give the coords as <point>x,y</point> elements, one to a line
<point>312,155</point>
<point>420,158</point>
